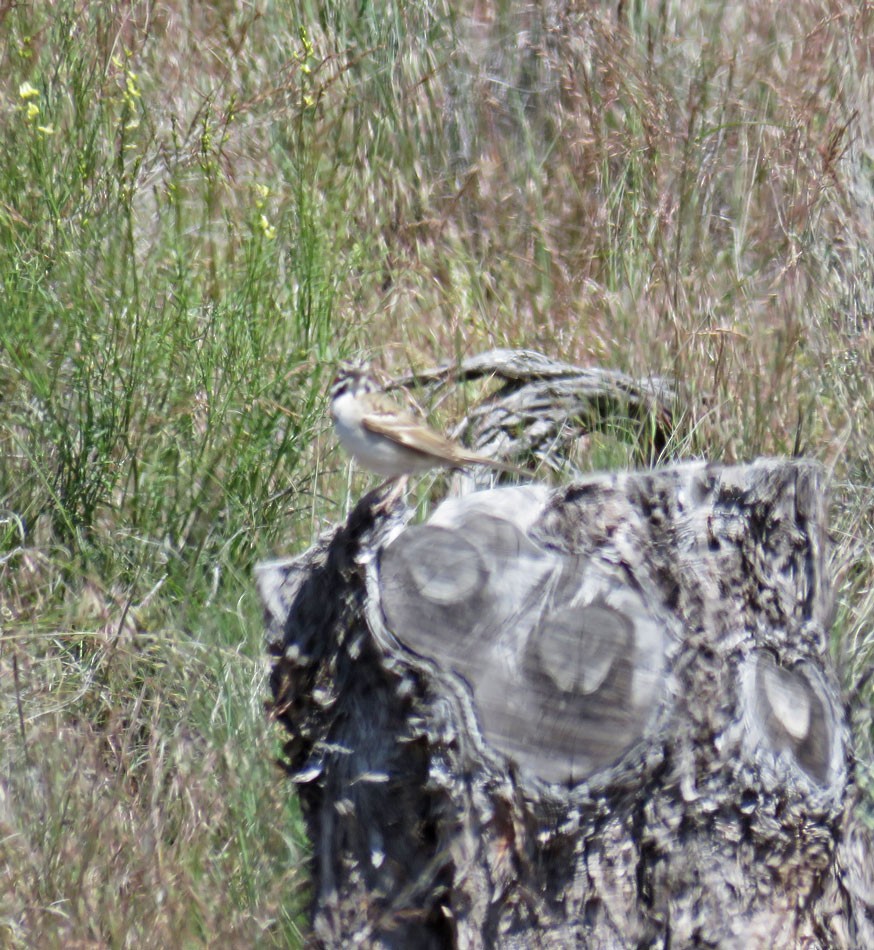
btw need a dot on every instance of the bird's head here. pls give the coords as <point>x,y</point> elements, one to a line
<point>353,379</point>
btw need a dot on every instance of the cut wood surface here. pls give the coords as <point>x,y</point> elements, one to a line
<point>602,715</point>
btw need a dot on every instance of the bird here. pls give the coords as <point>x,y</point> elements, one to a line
<point>388,440</point>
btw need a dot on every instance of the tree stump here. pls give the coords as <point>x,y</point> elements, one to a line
<point>602,715</point>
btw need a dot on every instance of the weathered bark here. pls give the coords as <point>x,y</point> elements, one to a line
<point>601,715</point>
<point>542,406</point>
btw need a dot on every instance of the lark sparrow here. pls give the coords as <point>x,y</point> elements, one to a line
<point>388,440</point>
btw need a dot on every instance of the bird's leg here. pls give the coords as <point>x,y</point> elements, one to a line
<point>394,494</point>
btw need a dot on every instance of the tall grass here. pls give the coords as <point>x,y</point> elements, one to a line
<point>204,206</point>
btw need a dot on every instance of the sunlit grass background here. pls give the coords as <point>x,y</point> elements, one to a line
<point>204,206</point>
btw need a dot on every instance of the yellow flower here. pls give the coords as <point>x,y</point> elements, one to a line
<point>262,192</point>
<point>306,42</point>
<point>131,86</point>
<point>267,228</point>
<point>32,110</point>
<point>26,91</point>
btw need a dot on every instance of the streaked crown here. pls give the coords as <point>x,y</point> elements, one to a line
<point>353,379</point>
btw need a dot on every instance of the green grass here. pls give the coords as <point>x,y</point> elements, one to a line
<point>204,206</point>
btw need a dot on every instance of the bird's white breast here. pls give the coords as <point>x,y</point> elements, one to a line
<point>374,452</point>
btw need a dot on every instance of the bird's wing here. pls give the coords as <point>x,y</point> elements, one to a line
<point>406,430</point>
